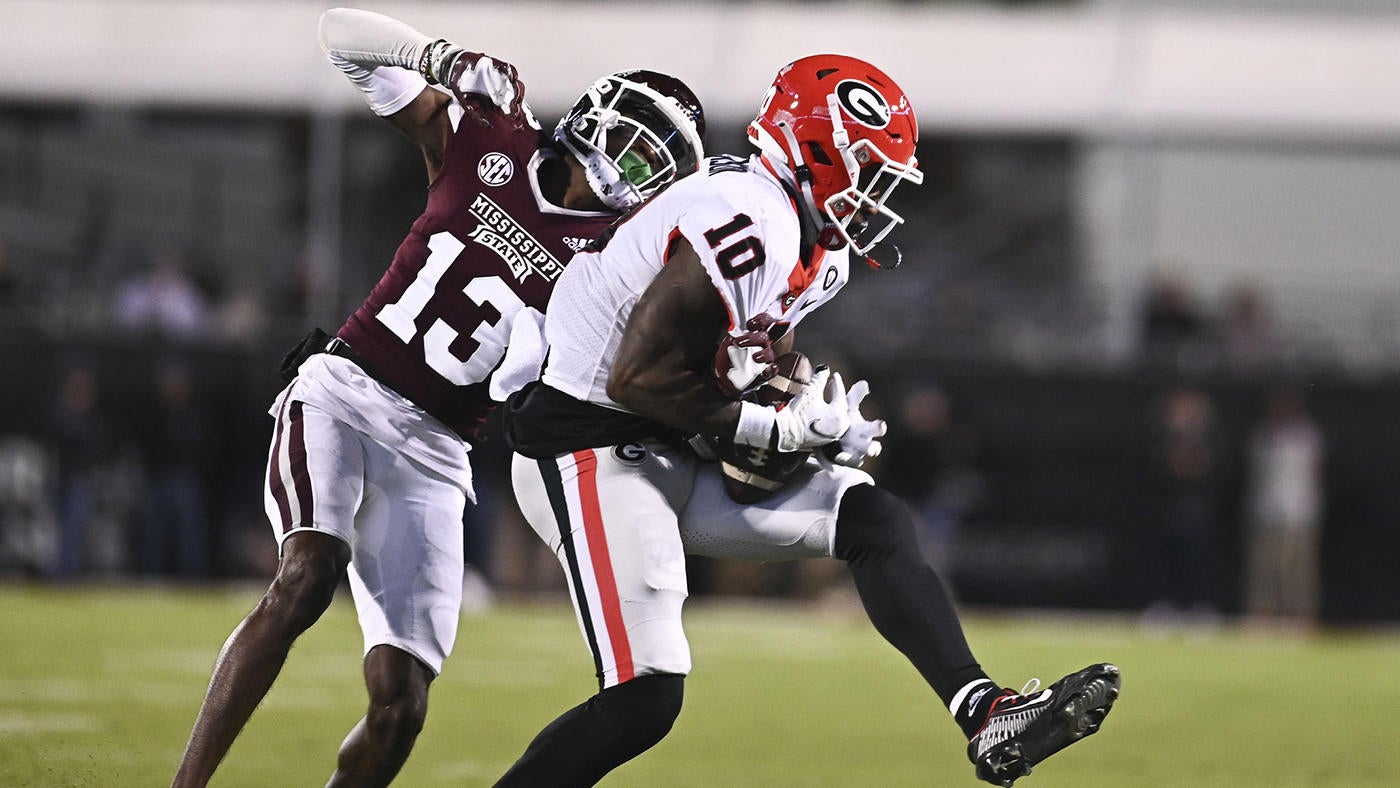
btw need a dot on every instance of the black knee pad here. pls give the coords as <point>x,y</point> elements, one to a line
<point>649,705</point>
<point>873,523</point>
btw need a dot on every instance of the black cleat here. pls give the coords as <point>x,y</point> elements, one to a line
<point>1025,728</point>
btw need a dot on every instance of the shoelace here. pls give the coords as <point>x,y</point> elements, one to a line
<point>1001,727</point>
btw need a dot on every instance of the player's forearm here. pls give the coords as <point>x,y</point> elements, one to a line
<point>380,55</point>
<point>675,397</point>
<point>664,364</point>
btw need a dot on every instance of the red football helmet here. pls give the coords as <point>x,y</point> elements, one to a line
<point>847,134</point>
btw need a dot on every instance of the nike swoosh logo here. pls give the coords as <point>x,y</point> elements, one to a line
<point>976,696</point>
<point>817,430</point>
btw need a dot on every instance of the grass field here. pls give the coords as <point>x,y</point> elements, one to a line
<point>98,687</point>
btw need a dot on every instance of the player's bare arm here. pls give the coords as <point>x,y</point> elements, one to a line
<point>426,123</point>
<point>661,371</point>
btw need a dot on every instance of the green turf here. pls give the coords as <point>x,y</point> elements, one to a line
<point>98,687</point>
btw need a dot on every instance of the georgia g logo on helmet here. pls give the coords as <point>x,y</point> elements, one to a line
<point>863,103</point>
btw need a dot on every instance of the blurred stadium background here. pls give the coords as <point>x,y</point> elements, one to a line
<point>1146,224</point>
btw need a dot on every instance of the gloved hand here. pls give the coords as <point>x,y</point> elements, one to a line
<point>818,415</point>
<point>499,82</point>
<point>745,360</point>
<point>862,439</point>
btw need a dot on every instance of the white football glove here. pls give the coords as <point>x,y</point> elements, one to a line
<point>818,415</point>
<point>862,440</point>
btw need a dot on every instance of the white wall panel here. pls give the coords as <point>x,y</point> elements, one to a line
<point>1090,68</point>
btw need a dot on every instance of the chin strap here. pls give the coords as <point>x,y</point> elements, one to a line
<point>889,265</point>
<point>824,232</point>
<point>839,136</point>
<point>842,140</point>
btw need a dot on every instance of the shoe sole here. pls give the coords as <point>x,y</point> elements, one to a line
<point>1083,700</point>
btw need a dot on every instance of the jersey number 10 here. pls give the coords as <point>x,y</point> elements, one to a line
<point>736,258</point>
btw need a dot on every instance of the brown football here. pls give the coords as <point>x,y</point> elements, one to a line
<point>751,473</point>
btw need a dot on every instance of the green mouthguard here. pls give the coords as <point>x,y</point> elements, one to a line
<point>634,168</point>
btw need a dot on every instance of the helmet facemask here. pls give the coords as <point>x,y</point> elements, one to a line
<point>631,140</point>
<point>861,212</point>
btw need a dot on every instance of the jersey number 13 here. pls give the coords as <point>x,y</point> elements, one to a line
<point>491,335</point>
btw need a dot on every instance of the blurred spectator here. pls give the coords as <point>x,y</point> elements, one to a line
<point>9,282</point>
<point>237,467</point>
<point>164,300</point>
<point>930,462</point>
<point>28,534</point>
<point>1174,333</point>
<point>909,463</point>
<point>77,435</point>
<point>1183,544</point>
<point>1247,333</point>
<point>1285,497</point>
<point>960,320</point>
<point>241,318</point>
<point>175,450</point>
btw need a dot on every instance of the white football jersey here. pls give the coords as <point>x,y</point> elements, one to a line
<point>743,225</point>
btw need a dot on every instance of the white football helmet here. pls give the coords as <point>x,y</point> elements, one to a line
<point>634,132</point>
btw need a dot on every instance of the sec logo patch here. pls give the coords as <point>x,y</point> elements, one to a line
<point>495,169</point>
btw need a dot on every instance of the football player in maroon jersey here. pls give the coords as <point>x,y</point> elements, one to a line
<point>368,473</point>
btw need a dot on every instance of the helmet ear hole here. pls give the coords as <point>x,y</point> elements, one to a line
<point>818,154</point>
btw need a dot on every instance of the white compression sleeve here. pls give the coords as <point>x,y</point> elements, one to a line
<point>369,39</point>
<point>377,53</point>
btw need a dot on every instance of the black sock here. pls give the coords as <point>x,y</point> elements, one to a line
<point>905,599</point>
<point>973,704</point>
<point>586,742</point>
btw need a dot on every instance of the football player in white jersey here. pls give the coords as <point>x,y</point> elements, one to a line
<point>604,471</point>
<point>368,472</point>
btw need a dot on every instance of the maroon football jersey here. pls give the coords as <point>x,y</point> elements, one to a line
<point>487,245</point>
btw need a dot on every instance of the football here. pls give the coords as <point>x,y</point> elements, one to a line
<point>751,474</point>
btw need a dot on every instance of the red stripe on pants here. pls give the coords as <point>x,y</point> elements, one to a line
<point>587,465</point>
